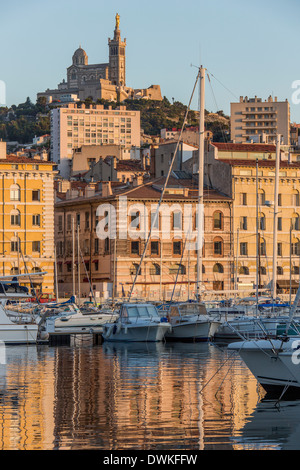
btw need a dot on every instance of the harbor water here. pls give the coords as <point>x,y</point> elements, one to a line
<point>164,396</point>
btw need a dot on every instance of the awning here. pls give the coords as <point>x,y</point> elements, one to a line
<point>286,284</point>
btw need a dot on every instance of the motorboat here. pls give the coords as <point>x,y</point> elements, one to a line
<point>69,319</point>
<point>137,322</point>
<point>190,322</point>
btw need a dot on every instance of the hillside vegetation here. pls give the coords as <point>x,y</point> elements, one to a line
<point>25,121</point>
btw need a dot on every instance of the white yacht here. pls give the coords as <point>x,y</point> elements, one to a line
<point>137,322</point>
<point>274,363</point>
<point>190,322</point>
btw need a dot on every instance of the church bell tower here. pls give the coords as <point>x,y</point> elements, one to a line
<point>117,58</point>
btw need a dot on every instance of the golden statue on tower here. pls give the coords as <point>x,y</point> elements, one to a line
<point>117,21</point>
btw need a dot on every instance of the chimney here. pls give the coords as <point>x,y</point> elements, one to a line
<point>106,189</point>
<point>3,151</point>
<point>137,180</point>
<point>90,190</point>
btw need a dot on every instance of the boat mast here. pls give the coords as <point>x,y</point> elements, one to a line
<point>78,264</point>
<point>73,255</point>
<point>276,191</point>
<point>257,241</point>
<point>200,182</point>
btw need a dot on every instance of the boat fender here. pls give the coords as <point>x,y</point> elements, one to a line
<point>126,330</point>
<point>119,326</point>
<point>164,320</point>
<point>109,331</point>
<point>114,329</point>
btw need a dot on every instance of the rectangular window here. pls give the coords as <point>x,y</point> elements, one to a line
<point>36,220</point>
<point>36,195</point>
<point>155,248</point>
<point>60,223</point>
<point>107,246</point>
<point>69,222</point>
<point>244,199</point>
<point>135,248</point>
<point>243,223</point>
<point>244,248</point>
<point>218,248</point>
<point>177,248</point>
<point>87,220</point>
<point>36,246</point>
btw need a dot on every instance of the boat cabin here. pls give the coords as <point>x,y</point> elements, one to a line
<point>130,312</point>
<point>185,309</point>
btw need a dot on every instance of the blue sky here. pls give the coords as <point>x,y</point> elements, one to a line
<point>252,48</point>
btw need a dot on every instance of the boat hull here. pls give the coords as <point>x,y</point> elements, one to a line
<point>135,333</point>
<point>267,367</point>
<point>200,331</point>
<point>18,334</point>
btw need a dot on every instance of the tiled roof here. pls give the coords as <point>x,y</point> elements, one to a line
<point>152,190</point>
<point>232,147</point>
<point>16,159</point>
<point>261,163</point>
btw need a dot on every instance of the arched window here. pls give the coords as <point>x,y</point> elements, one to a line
<point>295,270</point>
<point>218,268</point>
<point>155,269</point>
<point>262,221</point>
<point>244,271</point>
<point>218,220</point>
<point>134,269</point>
<point>15,217</point>
<point>296,222</point>
<point>263,270</point>
<point>36,269</point>
<point>15,192</point>
<point>14,271</point>
<point>279,271</point>
<point>177,269</point>
<point>218,245</point>
<point>295,246</point>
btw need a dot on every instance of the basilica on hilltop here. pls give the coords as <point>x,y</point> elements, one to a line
<point>100,81</point>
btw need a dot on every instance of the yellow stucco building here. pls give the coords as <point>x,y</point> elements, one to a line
<point>233,170</point>
<point>27,219</point>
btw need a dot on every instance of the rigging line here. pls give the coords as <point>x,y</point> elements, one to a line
<point>165,185</point>
<point>217,107</point>
<point>224,86</point>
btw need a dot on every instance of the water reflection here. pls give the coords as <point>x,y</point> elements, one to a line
<point>118,396</point>
<point>272,426</point>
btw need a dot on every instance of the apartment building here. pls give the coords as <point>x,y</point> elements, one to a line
<point>108,266</point>
<point>75,126</point>
<point>253,119</point>
<point>27,219</point>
